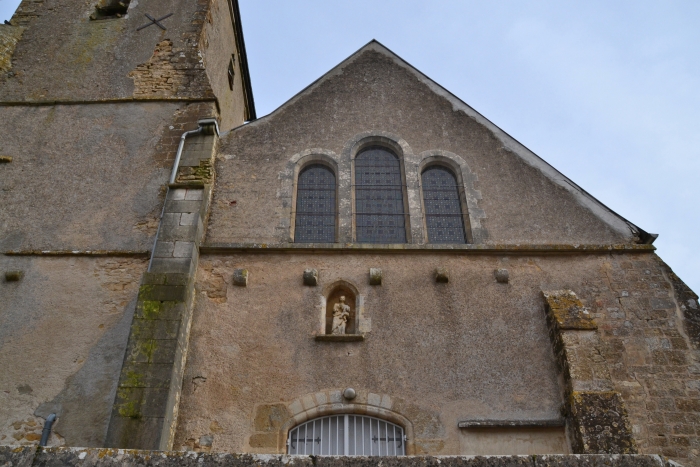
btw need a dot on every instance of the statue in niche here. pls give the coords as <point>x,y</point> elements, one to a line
<point>341,313</point>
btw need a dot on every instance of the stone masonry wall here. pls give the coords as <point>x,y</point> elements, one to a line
<point>63,331</point>
<point>641,341</point>
<point>645,341</point>
<point>374,95</point>
<point>65,56</point>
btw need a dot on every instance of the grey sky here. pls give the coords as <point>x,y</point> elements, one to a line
<point>604,91</point>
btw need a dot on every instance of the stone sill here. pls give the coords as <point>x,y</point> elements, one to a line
<point>556,422</point>
<point>339,337</point>
<point>218,248</point>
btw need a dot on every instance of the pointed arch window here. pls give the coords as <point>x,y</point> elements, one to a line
<point>380,216</point>
<point>315,219</point>
<point>347,435</point>
<point>444,217</point>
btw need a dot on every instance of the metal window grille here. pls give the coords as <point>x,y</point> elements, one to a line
<point>347,435</point>
<point>316,206</point>
<point>443,209</point>
<point>379,205</point>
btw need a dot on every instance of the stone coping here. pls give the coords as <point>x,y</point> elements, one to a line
<point>217,248</point>
<point>28,456</point>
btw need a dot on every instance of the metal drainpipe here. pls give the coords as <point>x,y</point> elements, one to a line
<point>203,124</point>
<point>47,429</point>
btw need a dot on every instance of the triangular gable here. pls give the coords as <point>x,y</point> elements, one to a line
<point>607,215</point>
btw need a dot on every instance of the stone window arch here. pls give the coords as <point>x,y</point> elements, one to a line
<point>289,180</point>
<point>333,402</point>
<point>315,215</point>
<point>469,196</point>
<point>444,207</point>
<point>380,193</point>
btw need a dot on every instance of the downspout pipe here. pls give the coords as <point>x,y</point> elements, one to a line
<point>173,174</point>
<point>47,429</point>
<point>207,126</point>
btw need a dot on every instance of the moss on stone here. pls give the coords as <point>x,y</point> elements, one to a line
<point>151,308</point>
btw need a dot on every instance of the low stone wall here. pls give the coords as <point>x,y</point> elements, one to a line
<point>28,456</point>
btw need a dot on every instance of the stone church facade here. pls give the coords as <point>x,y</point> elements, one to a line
<point>373,268</point>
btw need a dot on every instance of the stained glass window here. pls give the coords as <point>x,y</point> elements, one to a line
<point>443,210</point>
<point>316,206</point>
<point>379,204</point>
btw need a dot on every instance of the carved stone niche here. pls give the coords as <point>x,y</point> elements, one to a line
<point>343,297</point>
<point>341,314</point>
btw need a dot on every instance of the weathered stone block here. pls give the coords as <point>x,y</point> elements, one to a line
<point>17,456</point>
<point>566,311</point>
<point>599,422</point>
<point>194,194</point>
<point>153,278</point>
<point>160,310</point>
<point>165,350</point>
<point>146,375</point>
<point>375,276</point>
<point>182,206</point>
<point>240,277</point>
<point>175,233</point>
<point>442,275</point>
<point>264,440</point>
<point>177,279</point>
<point>176,293</point>
<point>269,418</point>
<point>501,275</point>
<point>164,249</point>
<point>123,431</point>
<point>183,249</point>
<point>172,265</point>
<point>144,329</point>
<point>14,276</point>
<point>177,194</point>
<point>310,277</point>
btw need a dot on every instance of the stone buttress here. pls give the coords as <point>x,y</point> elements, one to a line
<point>596,416</point>
<point>144,415</point>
